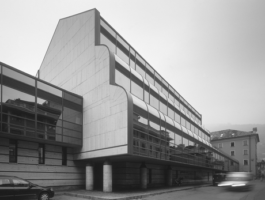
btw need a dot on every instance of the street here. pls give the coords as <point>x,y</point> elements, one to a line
<point>216,193</point>
<point>200,193</point>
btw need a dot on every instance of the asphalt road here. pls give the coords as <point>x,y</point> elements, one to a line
<point>214,193</point>
<point>203,193</point>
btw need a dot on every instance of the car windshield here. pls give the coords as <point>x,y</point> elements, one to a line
<point>238,177</point>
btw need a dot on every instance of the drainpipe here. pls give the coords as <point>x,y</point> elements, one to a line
<point>250,153</point>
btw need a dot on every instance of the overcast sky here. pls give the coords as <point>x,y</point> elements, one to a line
<point>211,51</point>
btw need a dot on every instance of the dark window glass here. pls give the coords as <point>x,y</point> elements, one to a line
<point>107,36</point>
<point>158,81</point>
<point>64,155</point>
<point>140,118</point>
<point>122,75</point>
<point>72,133</point>
<point>49,117</point>
<point>108,42</point>
<point>183,121</point>
<point>72,98</point>
<point>122,80</point>
<point>146,91</point>
<point>72,115</point>
<point>122,49</point>
<point>150,78</point>
<point>72,126</point>
<point>49,89</point>
<point>162,127</point>
<point>165,87</point>
<point>137,84</point>
<point>163,103</point>
<point>177,117</point>
<point>188,125</point>
<point>15,84</point>
<point>19,109</point>
<point>140,65</point>
<point>105,26</point>
<point>170,111</point>
<point>154,121</point>
<point>177,104</point>
<point>170,131</point>
<point>149,69</point>
<point>132,58</point>
<point>12,151</point>
<point>41,154</point>
<point>185,142</point>
<point>154,97</point>
<point>18,76</point>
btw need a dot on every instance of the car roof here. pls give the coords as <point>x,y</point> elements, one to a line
<point>6,176</point>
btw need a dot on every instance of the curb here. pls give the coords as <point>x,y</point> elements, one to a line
<point>128,197</point>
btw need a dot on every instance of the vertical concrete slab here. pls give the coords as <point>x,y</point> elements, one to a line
<point>89,176</point>
<point>107,177</point>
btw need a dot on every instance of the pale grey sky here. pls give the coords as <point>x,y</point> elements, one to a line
<point>211,51</point>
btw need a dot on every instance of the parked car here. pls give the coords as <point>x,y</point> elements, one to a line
<point>238,180</point>
<point>218,178</point>
<point>15,188</point>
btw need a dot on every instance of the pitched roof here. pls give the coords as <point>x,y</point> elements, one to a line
<point>229,133</point>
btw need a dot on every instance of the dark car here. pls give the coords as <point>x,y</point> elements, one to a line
<point>218,178</point>
<point>14,188</point>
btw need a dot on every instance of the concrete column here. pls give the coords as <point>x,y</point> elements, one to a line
<point>107,177</point>
<point>144,177</point>
<point>169,177</point>
<point>89,177</point>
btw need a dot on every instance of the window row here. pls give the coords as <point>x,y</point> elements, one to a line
<point>121,48</point>
<point>245,152</point>
<point>13,153</point>
<point>232,144</point>
<point>147,116</point>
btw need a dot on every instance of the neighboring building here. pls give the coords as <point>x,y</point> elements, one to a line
<point>239,144</point>
<point>136,129</point>
<point>41,124</point>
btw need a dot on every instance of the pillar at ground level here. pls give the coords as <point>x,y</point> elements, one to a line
<point>107,177</point>
<point>89,177</point>
<point>169,177</point>
<point>143,176</point>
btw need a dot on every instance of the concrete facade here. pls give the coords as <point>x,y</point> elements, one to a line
<point>75,63</point>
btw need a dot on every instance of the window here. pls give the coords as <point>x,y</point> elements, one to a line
<point>41,154</point>
<point>12,151</point>
<point>245,162</point>
<point>232,144</point>
<point>245,143</point>
<point>64,156</point>
<point>232,153</point>
<point>220,145</point>
<point>245,152</point>
<point>232,163</point>
<point>20,183</point>
<point>5,182</point>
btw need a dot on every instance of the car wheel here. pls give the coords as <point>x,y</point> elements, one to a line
<point>44,196</point>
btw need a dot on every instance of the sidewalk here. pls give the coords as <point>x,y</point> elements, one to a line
<point>125,195</point>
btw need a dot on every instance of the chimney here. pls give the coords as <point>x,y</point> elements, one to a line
<point>255,130</point>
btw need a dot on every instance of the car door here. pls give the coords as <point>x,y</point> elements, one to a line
<point>6,189</point>
<point>23,190</point>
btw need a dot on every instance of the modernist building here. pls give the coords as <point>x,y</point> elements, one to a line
<point>238,144</point>
<point>136,129</point>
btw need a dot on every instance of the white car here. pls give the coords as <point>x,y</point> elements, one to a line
<point>237,180</point>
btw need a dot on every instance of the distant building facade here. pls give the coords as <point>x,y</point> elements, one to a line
<point>239,144</point>
<point>121,125</point>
